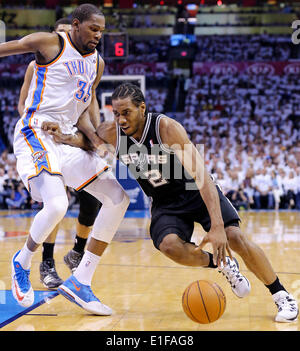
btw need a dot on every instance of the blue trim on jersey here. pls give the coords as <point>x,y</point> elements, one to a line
<point>40,72</point>
<point>38,151</point>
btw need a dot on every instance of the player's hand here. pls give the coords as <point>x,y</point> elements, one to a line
<point>53,129</point>
<point>218,239</point>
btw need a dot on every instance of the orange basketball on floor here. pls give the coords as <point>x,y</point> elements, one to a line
<point>203,301</point>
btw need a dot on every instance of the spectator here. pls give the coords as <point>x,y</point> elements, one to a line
<point>298,188</point>
<point>18,197</point>
<point>291,188</point>
<point>262,184</point>
<point>239,199</point>
<point>277,189</point>
<point>10,183</point>
<point>224,183</point>
<point>2,191</point>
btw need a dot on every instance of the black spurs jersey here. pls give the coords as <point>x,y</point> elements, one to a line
<point>157,168</point>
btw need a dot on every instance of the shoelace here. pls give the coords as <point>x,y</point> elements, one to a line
<point>22,277</point>
<point>286,303</point>
<point>53,273</point>
<point>232,276</point>
<point>75,257</point>
<point>50,268</point>
<point>90,295</point>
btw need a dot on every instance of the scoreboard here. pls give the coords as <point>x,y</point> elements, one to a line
<point>115,45</point>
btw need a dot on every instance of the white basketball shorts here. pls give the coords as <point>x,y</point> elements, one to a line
<point>36,152</point>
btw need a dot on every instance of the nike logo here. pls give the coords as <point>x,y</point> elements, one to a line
<point>76,287</point>
<point>19,297</point>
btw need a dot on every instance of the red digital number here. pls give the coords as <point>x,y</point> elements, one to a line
<point>119,51</point>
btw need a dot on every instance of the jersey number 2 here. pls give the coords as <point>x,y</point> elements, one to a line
<point>155,178</point>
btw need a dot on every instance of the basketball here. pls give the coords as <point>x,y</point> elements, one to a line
<point>203,301</point>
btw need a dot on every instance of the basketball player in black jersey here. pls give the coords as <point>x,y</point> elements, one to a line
<point>171,171</point>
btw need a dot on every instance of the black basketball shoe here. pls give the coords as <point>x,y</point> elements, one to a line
<point>48,274</point>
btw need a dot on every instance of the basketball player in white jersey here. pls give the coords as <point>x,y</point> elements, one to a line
<point>89,206</point>
<point>67,71</point>
<point>48,273</point>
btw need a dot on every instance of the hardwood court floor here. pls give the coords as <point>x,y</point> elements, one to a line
<point>144,288</point>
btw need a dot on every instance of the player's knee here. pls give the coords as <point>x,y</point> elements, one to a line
<point>170,247</point>
<point>57,207</point>
<point>235,238</point>
<point>120,196</point>
<point>118,199</point>
<point>61,209</point>
<point>109,192</point>
<point>87,219</point>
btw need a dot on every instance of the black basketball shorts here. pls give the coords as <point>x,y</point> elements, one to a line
<point>164,222</point>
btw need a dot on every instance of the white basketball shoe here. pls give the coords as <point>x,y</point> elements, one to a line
<point>240,285</point>
<point>20,283</point>
<point>287,307</point>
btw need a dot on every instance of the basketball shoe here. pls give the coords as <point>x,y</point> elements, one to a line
<point>83,296</point>
<point>72,259</point>
<point>48,274</point>
<point>240,285</point>
<point>20,284</point>
<point>287,307</point>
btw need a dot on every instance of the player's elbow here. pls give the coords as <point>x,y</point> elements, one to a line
<point>21,108</point>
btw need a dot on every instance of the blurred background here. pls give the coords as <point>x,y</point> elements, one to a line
<point>227,70</point>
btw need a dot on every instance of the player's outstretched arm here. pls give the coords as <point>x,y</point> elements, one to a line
<point>45,45</point>
<point>174,136</point>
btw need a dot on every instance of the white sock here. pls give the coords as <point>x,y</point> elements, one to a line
<point>86,269</point>
<point>24,257</point>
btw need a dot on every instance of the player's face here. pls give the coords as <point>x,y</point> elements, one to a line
<point>88,33</point>
<point>63,28</point>
<point>129,117</point>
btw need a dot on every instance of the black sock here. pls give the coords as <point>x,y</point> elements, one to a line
<point>211,262</point>
<point>275,286</point>
<point>48,249</point>
<point>79,244</point>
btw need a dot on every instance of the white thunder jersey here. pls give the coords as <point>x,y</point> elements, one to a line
<point>61,90</point>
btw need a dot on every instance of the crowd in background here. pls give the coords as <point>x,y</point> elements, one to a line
<point>250,128</point>
<point>247,48</point>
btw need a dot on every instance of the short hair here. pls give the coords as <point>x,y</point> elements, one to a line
<point>85,11</point>
<point>129,90</point>
<point>64,20</point>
